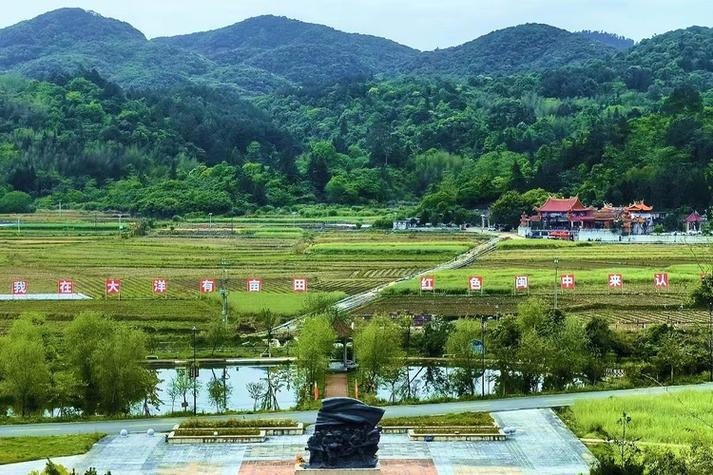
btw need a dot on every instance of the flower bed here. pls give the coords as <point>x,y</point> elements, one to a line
<point>463,433</point>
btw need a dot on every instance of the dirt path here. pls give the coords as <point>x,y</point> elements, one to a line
<point>336,385</point>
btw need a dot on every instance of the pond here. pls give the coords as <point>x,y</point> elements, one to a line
<point>426,382</point>
<point>429,382</point>
<point>236,379</point>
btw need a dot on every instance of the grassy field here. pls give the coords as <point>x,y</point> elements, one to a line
<point>21,449</point>
<point>637,304</point>
<point>676,418</point>
<point>336,264</point>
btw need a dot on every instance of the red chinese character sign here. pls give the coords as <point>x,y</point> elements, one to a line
<point>207,286</point>
<point>428,283</point>
<point>255,285</point>
<point>661,280</point>
<point>299,284</point>
<point>475,283</point>
<point>112,286</point>
<point>616,281</point>
<point>522,282</point>
<point>567,281</point>
<point>19,287</point>
<point>65,286</point>
<point>160,286</point>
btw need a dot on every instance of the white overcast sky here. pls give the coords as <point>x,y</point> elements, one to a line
<point>422,24</point>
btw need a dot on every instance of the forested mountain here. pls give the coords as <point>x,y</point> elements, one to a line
<point>610,39</point>
<point>610,125</point>
<point>69,40</point>
<point>530,47</point>
<point>301,52</point>
<point>267,53</point>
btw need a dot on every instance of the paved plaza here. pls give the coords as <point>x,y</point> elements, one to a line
<point>541,444</point>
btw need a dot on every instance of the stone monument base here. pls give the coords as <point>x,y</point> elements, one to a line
<point>300,469</point>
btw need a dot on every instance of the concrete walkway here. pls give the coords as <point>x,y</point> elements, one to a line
<point>541,444</point>
<point>490,405</point>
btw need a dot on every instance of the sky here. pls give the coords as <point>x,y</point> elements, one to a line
<point>422,24</point>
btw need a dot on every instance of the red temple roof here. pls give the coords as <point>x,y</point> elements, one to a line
<point>639,206</point>
<point>694,218</point>
<point>561,205</point>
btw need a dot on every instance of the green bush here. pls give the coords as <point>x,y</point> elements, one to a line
<point>16,202</point>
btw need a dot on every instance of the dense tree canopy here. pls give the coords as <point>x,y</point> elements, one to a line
<point>638,126</point>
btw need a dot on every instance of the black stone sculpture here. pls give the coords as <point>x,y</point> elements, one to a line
<point>345,435</point>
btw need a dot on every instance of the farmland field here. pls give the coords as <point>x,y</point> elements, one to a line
<point>335,264</point>
<point>635,305</point>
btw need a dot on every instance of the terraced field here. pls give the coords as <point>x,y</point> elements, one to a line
<point>336,264</point>
<point>636,305</point>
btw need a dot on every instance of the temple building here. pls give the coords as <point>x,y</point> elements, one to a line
<point>563,217</point>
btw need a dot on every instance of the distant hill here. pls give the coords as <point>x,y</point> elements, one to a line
<point>609,39</point>
<point>684,50</point>
<point>529,47</point>
<point>301,52</point>
<point>269,53</point>
<point>71,39</point>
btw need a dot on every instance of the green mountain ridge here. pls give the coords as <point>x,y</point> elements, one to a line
<point>528,47</point>
<point>266,53</point>
<point>272,120</point>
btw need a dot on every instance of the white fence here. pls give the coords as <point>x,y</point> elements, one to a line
<point>601,235</point>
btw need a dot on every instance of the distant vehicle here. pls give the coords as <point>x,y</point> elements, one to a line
<point>562,235</point>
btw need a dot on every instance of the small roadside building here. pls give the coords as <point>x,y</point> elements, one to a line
<point>694,222</point>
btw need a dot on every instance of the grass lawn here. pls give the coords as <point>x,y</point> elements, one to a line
<point>22,449</point>
<point>675,418</point>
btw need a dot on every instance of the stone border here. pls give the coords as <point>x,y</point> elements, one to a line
<point>172,438</point>
<point>455,435</point>
<point>405,429</point>
<point>300,468</point>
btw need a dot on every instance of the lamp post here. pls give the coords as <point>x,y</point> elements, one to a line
<point>557,263</point>
<point>483,320</point>
<point>195,373</point>
<point>710,338</point>
<point>482,356</point>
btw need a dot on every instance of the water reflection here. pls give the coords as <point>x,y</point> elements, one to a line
<point>237,380</point>
<point>244,388</point>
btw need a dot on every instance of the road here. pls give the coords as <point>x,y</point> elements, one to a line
<point>359,300</point>
<point>493,405</point>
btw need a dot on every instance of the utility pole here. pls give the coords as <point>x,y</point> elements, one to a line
<point>482,356</point>
<point>224,291</point>
<point>557,263</point>
<point>195,372</point>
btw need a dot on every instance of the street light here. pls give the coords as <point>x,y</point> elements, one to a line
<point>557,263</point>
<point>195,373</point>
<point>483,319</point>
